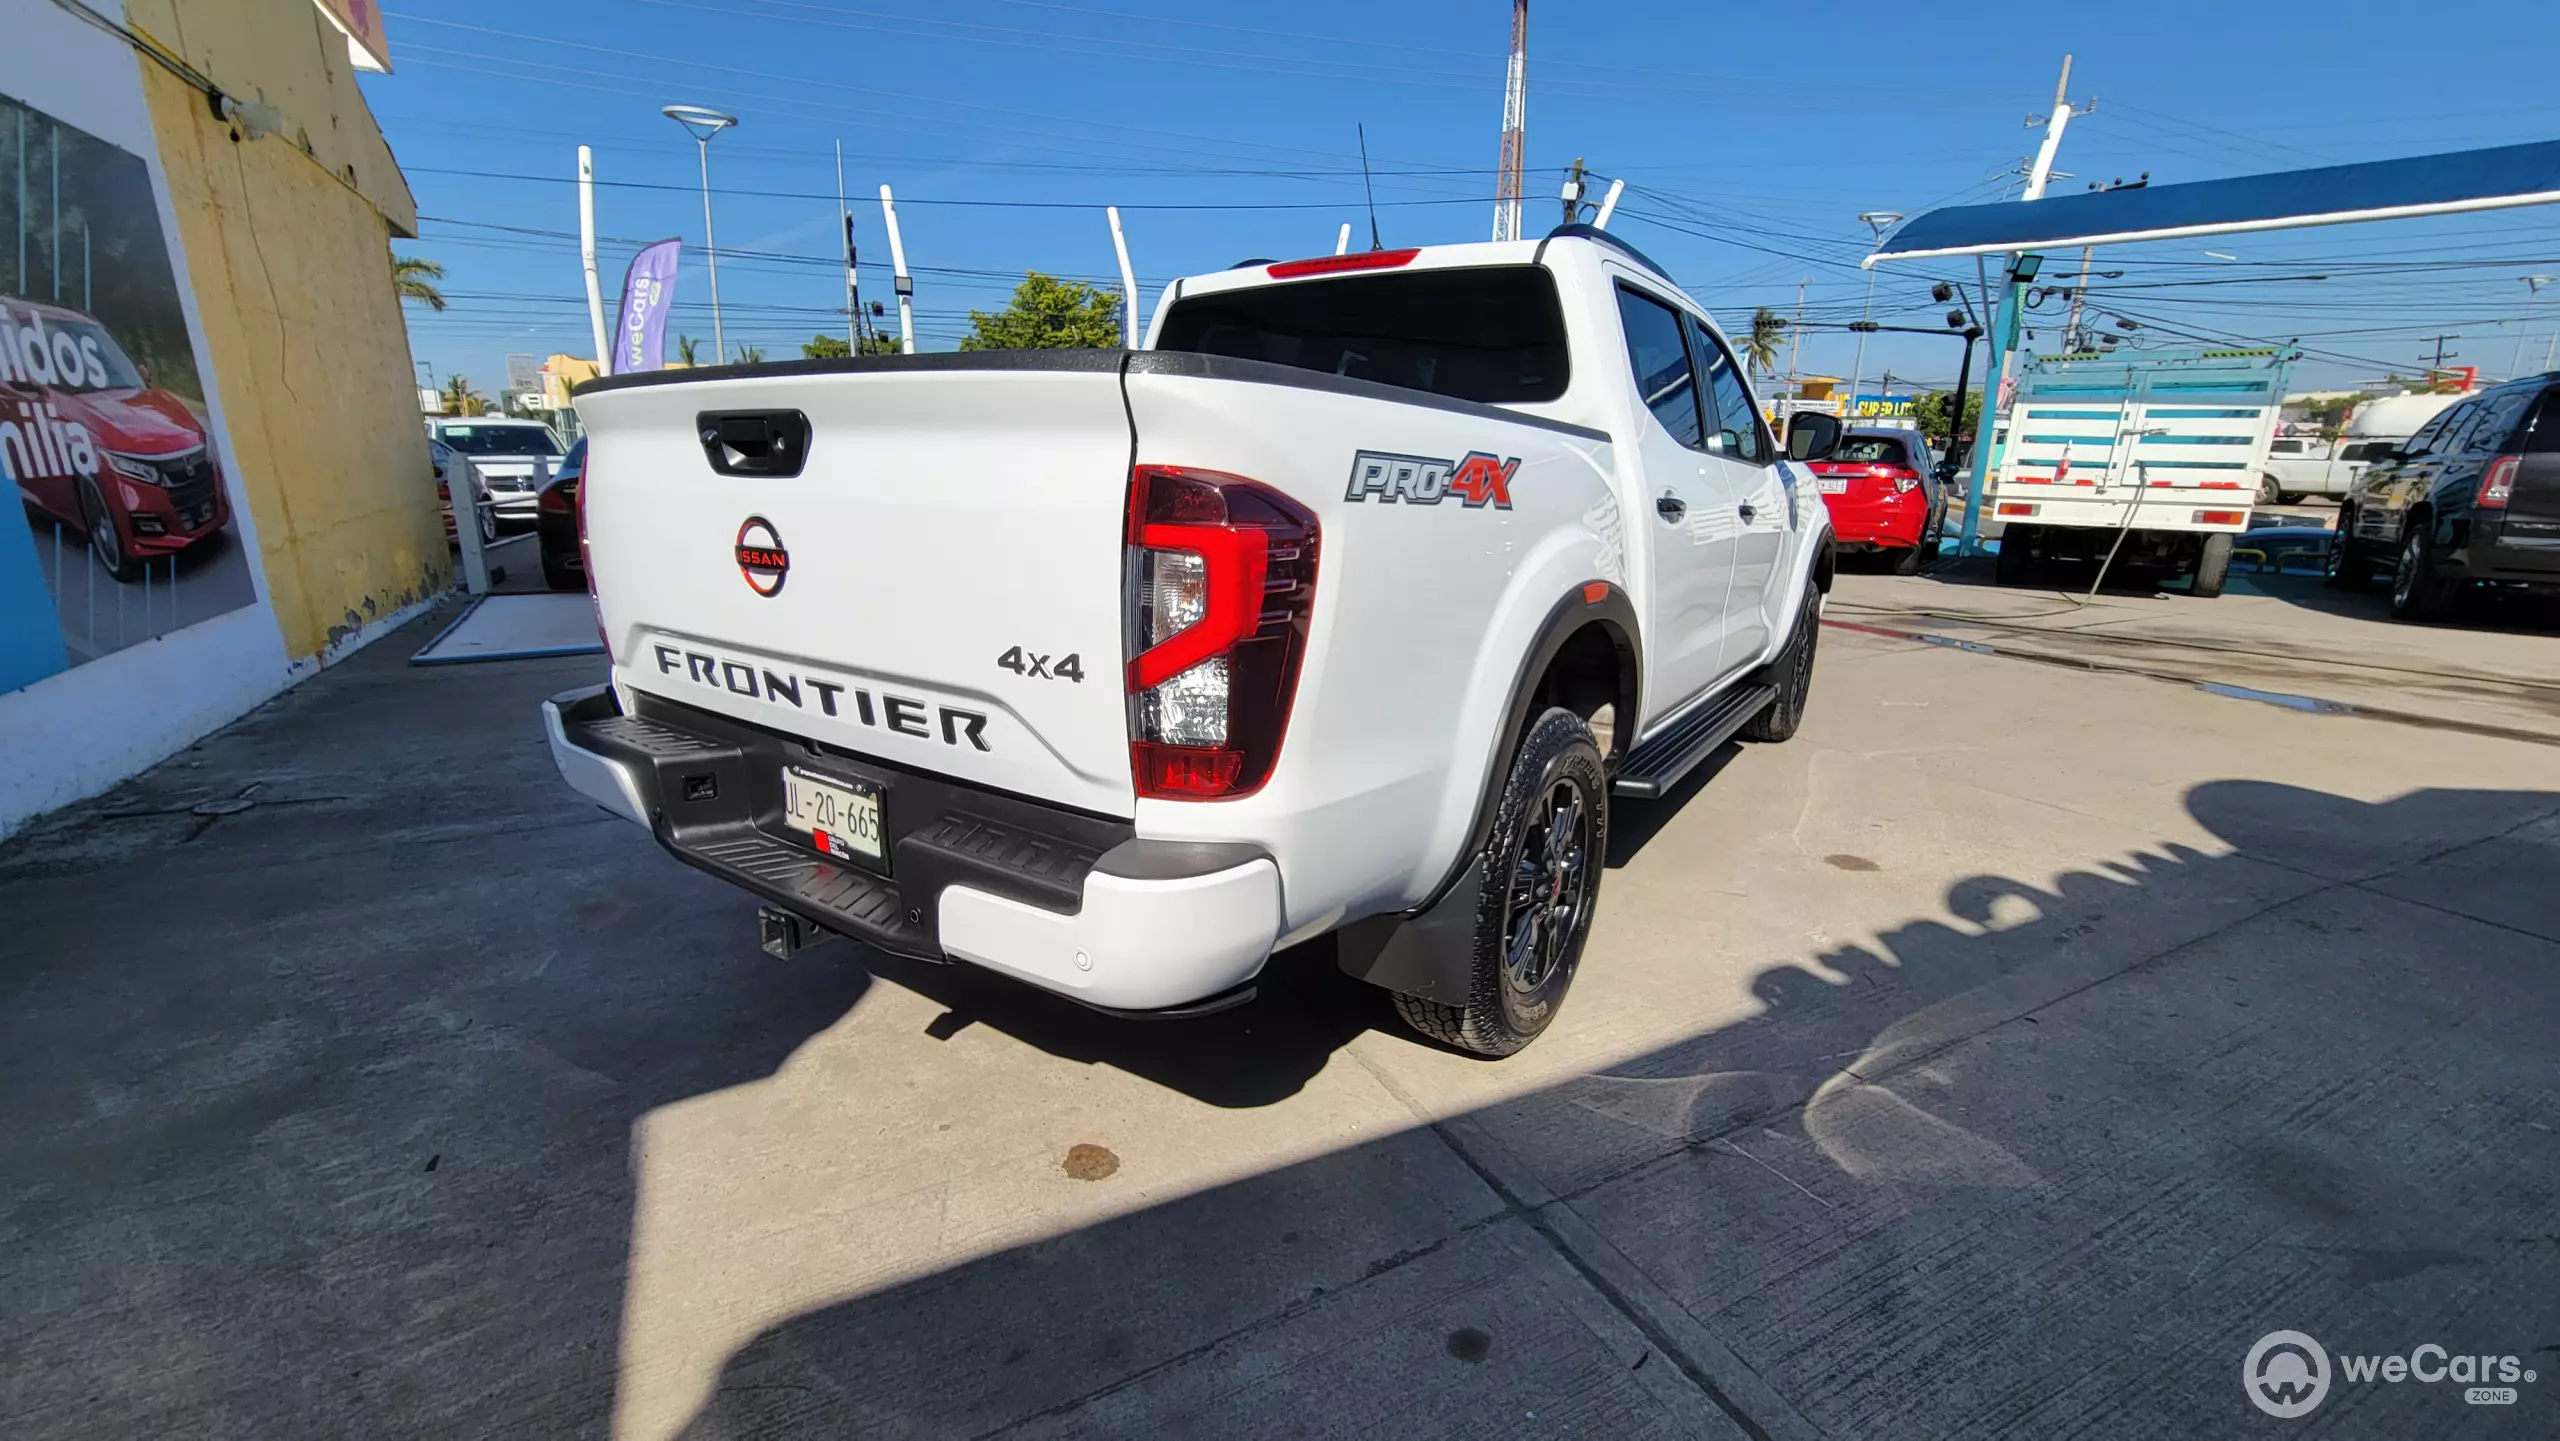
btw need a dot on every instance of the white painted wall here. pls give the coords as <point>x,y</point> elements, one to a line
<point>80,732</point>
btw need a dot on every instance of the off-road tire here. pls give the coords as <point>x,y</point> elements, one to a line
<point>2213,565</point>
<point>2417,592</point>
<point>1792,674</point>
<point>2346,567</point>
<point>1501,1014</point>
<point>2016,557</point>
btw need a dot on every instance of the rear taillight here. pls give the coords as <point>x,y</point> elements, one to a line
<point>1222,581</point>
<point>587,557</point>
<point>2498,482</point>
<point>2221,517</point>
<point>1905,480</point>
<point>554,500</point>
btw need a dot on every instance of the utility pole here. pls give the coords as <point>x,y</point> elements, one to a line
<point>2071,327</point>
<point>852,298</point>
<point>1573,193</point>
<point>2442,355</point>
<point>1515,124</point>
<point>2023,266</point>
<point>1795,334</point>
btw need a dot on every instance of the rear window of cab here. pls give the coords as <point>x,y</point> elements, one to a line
<point>1871,450</point>
<point>1492,334</point>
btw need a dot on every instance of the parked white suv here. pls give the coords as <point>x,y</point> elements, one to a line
<point>1344,607</point>
<point>513,459</point>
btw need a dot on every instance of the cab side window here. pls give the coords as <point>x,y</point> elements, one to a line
<point>1735,419</point>
<point>1664,379</point>
<point>2544,438</point>
<point>2500,415</point>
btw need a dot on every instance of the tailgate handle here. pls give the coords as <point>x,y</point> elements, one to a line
<point>754,442</point>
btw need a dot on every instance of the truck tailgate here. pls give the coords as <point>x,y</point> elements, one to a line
<point>939,586</point>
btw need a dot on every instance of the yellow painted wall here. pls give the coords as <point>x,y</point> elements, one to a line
<point>291,270</point>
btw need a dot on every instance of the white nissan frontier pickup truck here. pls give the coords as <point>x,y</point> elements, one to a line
<point>1348,607</point>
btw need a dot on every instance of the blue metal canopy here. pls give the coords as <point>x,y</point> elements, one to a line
<point>2333,195</point>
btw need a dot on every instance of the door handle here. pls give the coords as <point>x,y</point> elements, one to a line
<point>1670,507</point>
<point>1747,512</point>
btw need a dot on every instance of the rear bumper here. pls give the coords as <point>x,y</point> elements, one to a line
<point>1894,524</point>
<point>1069,902</point>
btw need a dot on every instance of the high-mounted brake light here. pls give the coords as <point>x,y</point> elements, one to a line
<point>1222,582</point>
<point>2498,482</point>
<point>1336,264</point>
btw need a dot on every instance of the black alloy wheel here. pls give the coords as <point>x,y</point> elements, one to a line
<point>1551,887</point>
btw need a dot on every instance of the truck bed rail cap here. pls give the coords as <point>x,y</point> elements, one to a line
<point>1070,360</point>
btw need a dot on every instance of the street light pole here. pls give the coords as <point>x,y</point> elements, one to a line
<point>2533,285</point>
<point>702,124</point>
<point>1876,221</point>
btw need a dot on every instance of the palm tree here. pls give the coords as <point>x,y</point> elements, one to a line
<point>685,345</point>
<point>410,277</point>
<point>459,397</point>
<point>1767,326</point>
<point>751,355</point>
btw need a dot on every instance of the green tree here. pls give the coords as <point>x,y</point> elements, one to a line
<point>1935,412</point>
<point>686,346</point>
<point>2331,414</point>
<point>1768,328</point>
<point>825,347</point>
<point>879,343</point>
<point>1048,314</point>
<point>751,355</point>
<point>460,398</point>
<point>412,277</point>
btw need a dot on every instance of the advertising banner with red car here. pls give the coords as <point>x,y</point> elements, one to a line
<point>129,506</point>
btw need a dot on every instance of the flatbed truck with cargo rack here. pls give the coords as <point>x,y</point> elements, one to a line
<point>2150,459</point>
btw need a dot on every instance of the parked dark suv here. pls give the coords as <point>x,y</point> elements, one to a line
<point>2470,501</point>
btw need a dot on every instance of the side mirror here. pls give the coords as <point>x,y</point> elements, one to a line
<point>1812,435</point>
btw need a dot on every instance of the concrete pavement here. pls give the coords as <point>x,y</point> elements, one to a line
<point>2002,1056</point>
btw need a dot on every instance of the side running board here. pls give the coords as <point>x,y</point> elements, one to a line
<point>1657,765</point>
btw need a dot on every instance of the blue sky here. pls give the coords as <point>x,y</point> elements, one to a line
<point>1750,138</point>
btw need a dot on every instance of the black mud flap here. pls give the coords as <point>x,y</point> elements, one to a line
<point>1429,953</point>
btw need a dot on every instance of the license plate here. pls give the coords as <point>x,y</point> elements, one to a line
<point>840,817</point>
<point>1831,484</point>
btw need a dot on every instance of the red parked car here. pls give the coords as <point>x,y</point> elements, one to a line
<point>1885,496</point>
<point>92,444</point>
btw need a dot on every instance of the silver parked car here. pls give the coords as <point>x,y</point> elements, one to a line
<point>515,459</point>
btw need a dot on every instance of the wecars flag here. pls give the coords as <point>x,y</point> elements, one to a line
<point>648,292</point>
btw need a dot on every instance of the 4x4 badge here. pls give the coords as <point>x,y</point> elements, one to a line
<point>761,558</point>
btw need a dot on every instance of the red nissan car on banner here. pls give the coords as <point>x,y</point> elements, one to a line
<point>92,444</point>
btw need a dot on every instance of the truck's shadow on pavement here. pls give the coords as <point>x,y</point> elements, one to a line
<point>328,1116</point>
<point>2050,1162</point>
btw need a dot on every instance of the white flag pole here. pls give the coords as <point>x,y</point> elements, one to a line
<point>898,268</point>
<point>1128,277</point>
